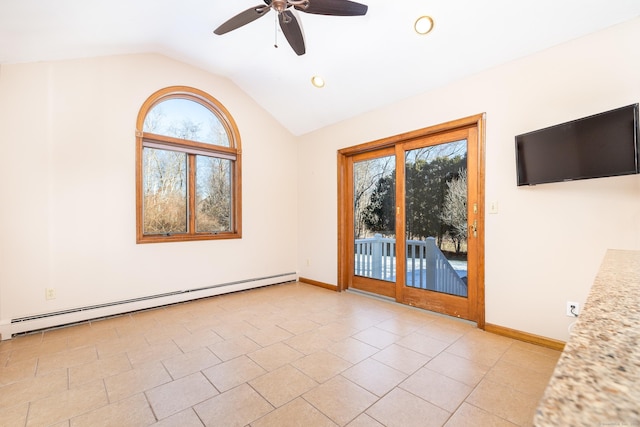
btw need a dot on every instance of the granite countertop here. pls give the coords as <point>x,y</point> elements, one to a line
<point>597,379</point>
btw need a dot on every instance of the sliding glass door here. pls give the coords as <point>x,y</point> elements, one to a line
<point>412,213</point>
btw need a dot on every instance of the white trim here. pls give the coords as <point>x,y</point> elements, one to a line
<point>50,320</point>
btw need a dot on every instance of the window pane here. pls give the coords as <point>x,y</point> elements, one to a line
<point>213,194</point>
<point>164,191</point>
<point>374,212</point>
<point>186,119</point>
<point>436,218</point>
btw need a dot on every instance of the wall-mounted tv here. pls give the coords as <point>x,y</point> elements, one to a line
<point>601,145</point>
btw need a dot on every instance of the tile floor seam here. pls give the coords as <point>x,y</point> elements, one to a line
<point>484,410</point>
<point>464,400</point>
<point>26,419</point>
<point>508,386</point>
<point>146,398</point>
<point>189,407</point>
<point>378,399</point>
<point>431,403</point>
<point>68,379</point>
<point>109,402</point>
<point>503,385</point>
<point>373,418</point>
<point>198,415</point>
<point>264,397</point>
<point>68,420</point>
<point>165,368</point>
<point>319,410</point>
<point>210,382</point>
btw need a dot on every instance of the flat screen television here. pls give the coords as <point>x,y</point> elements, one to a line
<point>601,145</point>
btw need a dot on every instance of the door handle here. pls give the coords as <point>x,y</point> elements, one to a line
<point>473,228</point>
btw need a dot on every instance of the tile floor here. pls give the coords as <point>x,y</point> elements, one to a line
<point>284,355</point>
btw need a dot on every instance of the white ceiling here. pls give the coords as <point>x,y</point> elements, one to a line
<point>367,61</point>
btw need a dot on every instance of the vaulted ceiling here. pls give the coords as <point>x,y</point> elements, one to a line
<point>367,61</point>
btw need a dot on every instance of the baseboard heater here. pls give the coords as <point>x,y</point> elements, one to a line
<point>75,315</point>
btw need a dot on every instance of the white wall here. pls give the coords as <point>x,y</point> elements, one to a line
<point>67,187</point>
<point>546,243</point>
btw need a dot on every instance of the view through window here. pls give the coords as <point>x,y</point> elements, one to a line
<point>188,168</point>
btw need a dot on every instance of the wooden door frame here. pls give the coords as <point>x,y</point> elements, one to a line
<point>345,195</point>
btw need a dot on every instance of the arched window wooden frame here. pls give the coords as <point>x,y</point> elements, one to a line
<point>233,152</point>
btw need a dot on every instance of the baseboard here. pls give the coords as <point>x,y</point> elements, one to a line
<point>525,336</point>
<point>495,329</point>
<point>78,315</point>
<point>318,284</point>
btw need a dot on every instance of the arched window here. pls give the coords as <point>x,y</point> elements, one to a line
<point>188,184</point>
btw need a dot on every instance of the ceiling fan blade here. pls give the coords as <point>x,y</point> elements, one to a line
<point>242,18</point>
<point>334,7</point>
<point>292,32</point>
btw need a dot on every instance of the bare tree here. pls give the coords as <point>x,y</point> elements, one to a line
<point>217,134</point>
<point>213,194</point>
<point>366,175</point>
<point>164,192</point>
<point>165,178</point>
<point>454,209</point>
<point>154,120</point>
<point>187,129</point>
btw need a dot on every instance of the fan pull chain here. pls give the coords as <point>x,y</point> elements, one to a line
<point>275,31</point>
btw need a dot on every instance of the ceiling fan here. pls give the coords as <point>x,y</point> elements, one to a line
<point>288,22</point>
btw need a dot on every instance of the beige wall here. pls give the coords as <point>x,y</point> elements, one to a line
<point>67,187</point>
<point>546,243</point>
<point>68,199</point>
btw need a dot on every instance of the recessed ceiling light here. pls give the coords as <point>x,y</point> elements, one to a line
<point>317,81</point>
<point>423,25</point>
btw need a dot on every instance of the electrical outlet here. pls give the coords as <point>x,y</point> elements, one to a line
<point>573,309</point>
<point>49,293</point>
<point>308,262</point>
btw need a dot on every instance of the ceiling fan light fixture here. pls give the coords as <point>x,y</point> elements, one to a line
<point>317,81</point>
<point>288,22</point>
<point>423,25</point>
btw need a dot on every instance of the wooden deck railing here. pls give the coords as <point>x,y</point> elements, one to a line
<point>427,267</point>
